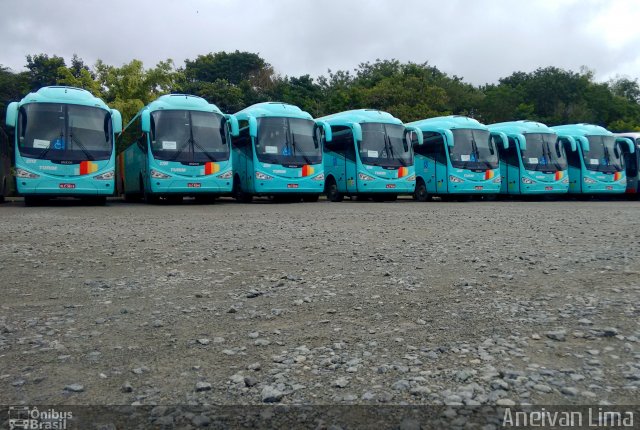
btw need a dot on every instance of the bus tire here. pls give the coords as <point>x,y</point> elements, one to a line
<point>151,198</point>
<point>311,198</point>
<point>421,194</point>
<point>238,194</point>
<point>331,190</point>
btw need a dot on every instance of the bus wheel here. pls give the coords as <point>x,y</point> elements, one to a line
<point>420,194</point>
<point>332,192</point>
<point>238,194</point>
<point>311,198</point>
<point>96,201</point>
<point>151,198</point>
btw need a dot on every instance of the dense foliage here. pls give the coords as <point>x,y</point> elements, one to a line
<point>410,91</point>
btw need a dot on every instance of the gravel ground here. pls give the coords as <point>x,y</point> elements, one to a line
<point>474,303</point>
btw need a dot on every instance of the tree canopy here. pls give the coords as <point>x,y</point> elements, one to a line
<point>410,91</point>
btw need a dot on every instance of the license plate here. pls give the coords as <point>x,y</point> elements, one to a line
<point>67,186</point>
<point>292,185</point>
<point>548,188</point>
<point>479,187</point>
<point>609,187</point>
<point>391,185</point>
<point>194,185</point>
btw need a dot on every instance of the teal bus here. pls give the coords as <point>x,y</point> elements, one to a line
<point>534,162</point>
<point>632,162</point>
<point>64,145</point>
<point>369,156</point>
<point>596,162</point>
<point>6,177</point>
<point>178,146</point>
<point>459,157</point>
<point>278,153</point>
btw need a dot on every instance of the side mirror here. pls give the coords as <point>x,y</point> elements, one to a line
<point>12,114</point>
<point>448,135</point>
<point>357,132</point>
<point>145,119</point>
<point>233,123</point>
<point>116,121</point>
<point>572,143</point>
<point>418,133</point>
<point>253,127</point>
<point>328,136</point>
<point>522,141</point>
<point>503,137</point>
<point>629,143</point>
<point>584,142</point>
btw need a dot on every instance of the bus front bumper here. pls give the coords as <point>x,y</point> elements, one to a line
<point>71,186</point>
<point>544,188</point>
<point>385,186</point>
<point>289,186</point>
<point>191,186</point>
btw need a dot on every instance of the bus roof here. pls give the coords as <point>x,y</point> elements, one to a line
<point>448,122</point>
<point>360,116</point>
<point>582,130</point>
<point>63,94</point>
<point>631,134</point>
<point>521,127</point>
<point>272,109</point>
<point>182,102</point>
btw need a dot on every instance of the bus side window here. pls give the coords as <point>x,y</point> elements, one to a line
<point>511,153</point>
<point>342,142</point>
<point>573,158</point>
<point>243,140</point>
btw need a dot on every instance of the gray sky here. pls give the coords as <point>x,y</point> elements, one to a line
<point>479,40</point>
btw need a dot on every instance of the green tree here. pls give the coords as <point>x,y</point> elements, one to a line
<point>43,70</point>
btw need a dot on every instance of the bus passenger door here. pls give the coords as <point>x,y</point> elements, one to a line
<point>351,161</point>
<point>511,180</point>
<point>441,166</point>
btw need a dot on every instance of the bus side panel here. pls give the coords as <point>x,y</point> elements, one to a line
<point>133,160</point>
<point>334,165</point>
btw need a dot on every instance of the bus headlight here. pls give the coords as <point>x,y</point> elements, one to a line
<point>455,179</point>
<point>159,175</point>
<point>364,177</point>
<point>565,181</point>
<point>498,180</point>
<point>589,181</point>
<point>21,173</point>
<point>263,177</point>
<point>411,178</point>
<point>106,176</point>
<point>319,177</point>
<point>526,180</point>
<point>226,175</point>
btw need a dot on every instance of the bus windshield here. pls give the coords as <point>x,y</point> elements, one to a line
<point>384,145</point>
<point>604,154</point>
<point>544,152</point>
<point>188,136</point>
<point>289,141</point>
<point>64,132</point>
<point>473,150</point>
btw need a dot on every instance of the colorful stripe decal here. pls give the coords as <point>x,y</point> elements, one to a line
<point>617,176</point>
<point>87,167</point>
<point>559,175</point>
<point>211,168</point>
<point>307,170</point>
<point>402,172</point>
<point>489,174</point>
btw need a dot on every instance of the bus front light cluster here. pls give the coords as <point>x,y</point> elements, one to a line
<point>455,179</point>
<point>106,176</point>
<point>498,180</point>
<point>411,178</point>
<point>263,177</point>
<point>21,173</point>
<point>226,175</point>
<point>364,177</point>
<point>159,175</point>
<point>565,181</point>
<point>589,181</point>
<point>319,177</point>
<point>526,180</point>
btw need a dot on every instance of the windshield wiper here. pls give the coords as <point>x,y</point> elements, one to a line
<point>45,151</point>
<point>80,145</point>
<point>197,145</point>
<point>181,150</point>
<point>295,149</point>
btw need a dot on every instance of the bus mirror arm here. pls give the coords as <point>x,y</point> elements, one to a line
<point>12,114</point>
<point>448,134</point>
<point>522,141</point>
<point>571,141</point>
<point>145,121</point>
<point>253,127</point>
<point>233,124</point>
<point>357,131</point>
<point>116,121</point>
<point>328,136</point>
<point>629,143</point>
<point>585,143</point>
<point>418,133</point>
<point>503,138</point>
